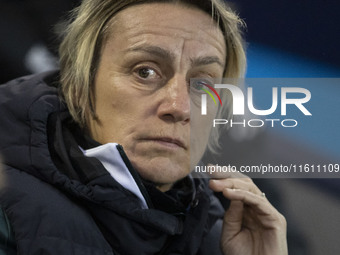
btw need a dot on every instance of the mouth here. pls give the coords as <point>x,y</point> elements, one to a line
<point>167,141</point>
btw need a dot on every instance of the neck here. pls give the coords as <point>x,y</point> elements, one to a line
<point>164,187</point>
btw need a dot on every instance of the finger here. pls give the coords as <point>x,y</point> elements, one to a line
<point>259,204</point>
<point>233,220</point>
<point>247,197</point>
<point>244,184</point>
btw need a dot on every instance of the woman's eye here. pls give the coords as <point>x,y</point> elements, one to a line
<point>197,85</point>
<point>147,73</point>
<point>200,84</point>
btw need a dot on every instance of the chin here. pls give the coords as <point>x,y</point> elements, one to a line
<point>162,172</point>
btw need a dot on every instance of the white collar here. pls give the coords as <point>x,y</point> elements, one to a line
<point>111,159</point>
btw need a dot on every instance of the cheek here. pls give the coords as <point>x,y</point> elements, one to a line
<point>201,127</point>
<point>114,113</point>
<point>113,100</point>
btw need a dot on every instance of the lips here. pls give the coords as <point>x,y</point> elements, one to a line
<point>168,141</point>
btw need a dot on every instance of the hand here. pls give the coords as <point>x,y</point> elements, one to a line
<point>252,226</point>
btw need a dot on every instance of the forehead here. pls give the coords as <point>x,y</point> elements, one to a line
<point>168,20</point>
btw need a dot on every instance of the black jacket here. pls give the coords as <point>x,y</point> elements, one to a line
<point>58,201</point>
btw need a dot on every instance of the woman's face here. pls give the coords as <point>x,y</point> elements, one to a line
<point>142,87</point>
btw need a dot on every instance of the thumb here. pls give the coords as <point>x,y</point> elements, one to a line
<point>233,218</point>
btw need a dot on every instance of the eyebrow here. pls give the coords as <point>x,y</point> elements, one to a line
<point>155,50</point>
<point>165,54</point>
<point>201,61</point>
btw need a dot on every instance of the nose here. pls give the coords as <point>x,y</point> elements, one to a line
<point>175,103</point>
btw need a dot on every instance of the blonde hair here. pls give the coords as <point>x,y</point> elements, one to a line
<point>88,30</point>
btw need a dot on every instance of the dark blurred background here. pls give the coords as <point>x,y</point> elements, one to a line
<point>288,38</point>
<point>28,41</point>
<point>307,28</point>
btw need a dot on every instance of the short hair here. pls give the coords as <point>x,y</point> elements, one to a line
<point>87,31</point>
